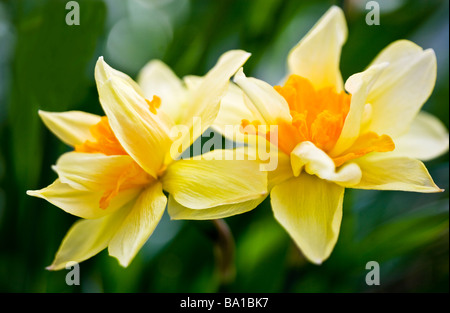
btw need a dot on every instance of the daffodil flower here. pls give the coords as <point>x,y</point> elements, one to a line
<point>121,163</point>
<point>366,134</point>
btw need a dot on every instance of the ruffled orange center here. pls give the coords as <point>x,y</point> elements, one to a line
<point>107,143</point>
<point>318,116</point>
<point>105,140</point>
<point>132,177</point>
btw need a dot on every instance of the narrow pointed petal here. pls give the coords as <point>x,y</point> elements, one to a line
<point>402,88</point>
<point>316,57</point>
<point>282,172</point>
<point>205,95</point>
<point>86,238</point>
<point>426,139</point>
<point>138,225</point>
<point>359,86</point>
<point>316,162</point>
<point>192,81</point>
<point>269,104</point>
<point>94,171</point>
<point>208,92</point>
<point>156,78</point>
<point>143,134</point>
<point>310,209</point>
<point>179,212</point>
<point>386,171</point>
<point>82,203</point>
<point>234,107</point>
<point>218,178</point>
<point>71,127</point>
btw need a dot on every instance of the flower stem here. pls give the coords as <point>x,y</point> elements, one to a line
<point>224,252</point>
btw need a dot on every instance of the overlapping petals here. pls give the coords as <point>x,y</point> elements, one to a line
<point>377,147</point>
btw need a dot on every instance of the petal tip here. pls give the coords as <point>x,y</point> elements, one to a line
<point>44,115</point>
<point>100,60</point>
<point>102,70</point>
<point>239,74</point>
<point>32,193</point>
<point>335,9</point>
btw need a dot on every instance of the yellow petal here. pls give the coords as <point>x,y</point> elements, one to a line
<point>82,203</point>
<point>92,171</point>
<point>86,238</point>
<point>310,209</point>
<point>72,127</point>
<point>426,139</point>
<point>316,57</point>
<point>205,95</point>
<point>143,134</point>
<point>282,172</point>
<point>217,179</point>
<point>192,81</point>
<point>358,85</point>
<point>316,162</point>
<point>138,225</point>
<point>269,104</point>
<point>178,212</point>
<point>385,171</point>
<point>402,88</point>
<point>234,109</point>
<point>156,78</point>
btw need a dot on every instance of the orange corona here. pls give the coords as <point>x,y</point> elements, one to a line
<point>318,116</point>
<point>107,143</point>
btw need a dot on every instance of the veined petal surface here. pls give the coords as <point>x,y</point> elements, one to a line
<point>310,209</point>
<point>317,56</point>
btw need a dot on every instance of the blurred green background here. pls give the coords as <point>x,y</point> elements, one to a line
<point>46,64</point>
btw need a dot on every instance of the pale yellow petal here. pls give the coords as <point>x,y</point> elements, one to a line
<point>92,171</point>
<point>282,172</point>
<point>138,225</point>
<point>82,203</point>
<point>265,100</point>
<point>402,88</point>
<point>316,57</point>
<point>217,178</point>
<point>204,97</point>
<point>143,134</point>
<point>233,109</point>
<point>192,81</point>
<point>179,212</point>
<point>359,86</point>
<point>156,78</point>
<point>385,171</point>
<point>316,162</point>
<point>310,209</point>
<point>426,139</point>
<point>72,127</point>
<point>86,238</point>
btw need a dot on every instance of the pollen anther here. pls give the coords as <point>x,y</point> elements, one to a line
<point>154,104</point>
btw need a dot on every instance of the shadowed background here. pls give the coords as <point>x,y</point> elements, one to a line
<point>46,64</point>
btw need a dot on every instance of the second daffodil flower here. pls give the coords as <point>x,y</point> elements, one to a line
<point>121,163</point>
<point>370,136</point>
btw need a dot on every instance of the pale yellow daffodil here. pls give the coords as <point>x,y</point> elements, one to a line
<point>370,136</point>
<point>121,163</point>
